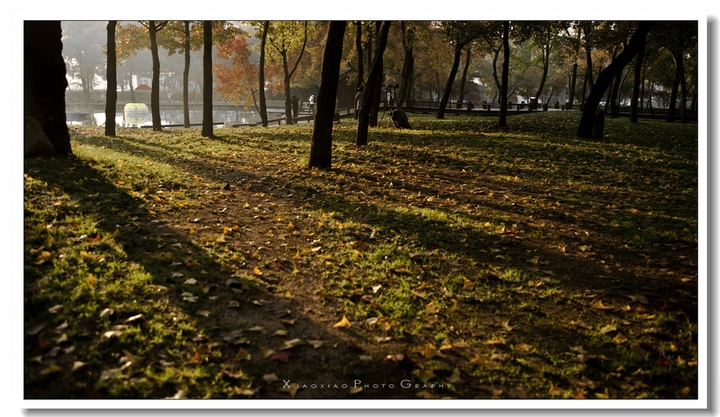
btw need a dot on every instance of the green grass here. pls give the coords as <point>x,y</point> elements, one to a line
<point>533,263</point>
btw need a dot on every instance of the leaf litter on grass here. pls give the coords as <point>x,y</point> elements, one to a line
<point>435,234</point>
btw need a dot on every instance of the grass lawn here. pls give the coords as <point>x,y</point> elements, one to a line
<point>453,260</point>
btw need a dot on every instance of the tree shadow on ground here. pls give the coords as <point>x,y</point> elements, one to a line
<point>138,233</point>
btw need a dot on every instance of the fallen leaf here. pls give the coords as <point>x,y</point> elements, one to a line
<point>640,298</point>
<point>607,329</point>
<point>554,390</point>
<point>455,377</point>
<point>316,343</point>
<point>600,306</point>
<point>355,390</point>
<point>242,354</point>
<point>266,352</point>
<point>78,366</point>
<point>424,375</point>
<point>91,280</point>
<point>52,368</point>
<point>282,356</point>
<point>342,323</point>
<point>270,378</point>
<point>620,338</point>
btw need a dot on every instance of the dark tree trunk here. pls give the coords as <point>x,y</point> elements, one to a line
<point>588,56</point>
<point>361,64</point>
<point>573,80</point>
<point>45,82</point>
<point>111,92</point>
<point>451,79</point>
<point>374,79</point>
<point>463,79</point>
<point>286,88</point>
<point>132,89</point>
<point>546,67</point>
<point>637,84</point>
<point>261,75</point>
<point>673,95</point>
<point>498,82</point>
<point>155,84</point>
<point>321,145</point>
<point>502,122</point>
<point>207,124</point>
<point>613,100</point>
<point>408,67</point>
<point>377,91</point>
<point>606,76</point>
<point>186,77</point>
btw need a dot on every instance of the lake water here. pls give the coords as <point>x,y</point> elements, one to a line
<point>175,117</point>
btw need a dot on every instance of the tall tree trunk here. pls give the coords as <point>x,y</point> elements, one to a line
<point>374,78</point>
<point>588,55</point>
<point>573,80</point>
<point>207,125</point>
<point>676,85</point>
<point>361,64</point>
<point>637,84</point>
<point>498,82</point>
<point>155,84</point>
<point>111,92</point>
<point>186,76</point>
<point>587,119</point>
<point>45,82</point>
<point>261,74</point>
<point>502,122</point>
<point>463,79</point>
<point>377,91</point>
<point>546,66</point>
<point>450,81</point>
<point>406,74</point>
<point>288,73</point>
<point>132,89</point>
<point>321,144</point>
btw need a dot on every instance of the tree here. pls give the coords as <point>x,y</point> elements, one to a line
<point>237,79</point>
<point>153,28</point>
<point>463,78</point>
<point>360,64</point>
<point>45,81</point>
<point>374,79</point>
<point>637,84</point>
<point>321,145</point>
<point>111,92</point>
<point>207,125</point>
<point>458,34</point>
<point>587,119</point>
<point>283,37</point>
<point>83,47</point>
<point>682,35</point>
<point>406,74</point>
<point>261,73</point>
<point>502,122</point>
<point>544,37</point>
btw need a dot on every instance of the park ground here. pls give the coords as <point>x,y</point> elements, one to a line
<point>454,260</point>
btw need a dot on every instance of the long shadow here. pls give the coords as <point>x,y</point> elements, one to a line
<point>440,235</point>
<point>114,209</point>
<point>257,182</point>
